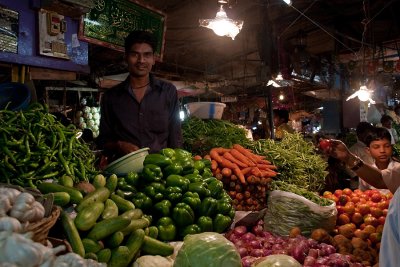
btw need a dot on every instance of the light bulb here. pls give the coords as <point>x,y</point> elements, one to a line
<point>281,96</point>
<point>363,95</point>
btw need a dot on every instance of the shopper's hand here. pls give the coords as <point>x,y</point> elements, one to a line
<point>126,147</point>
<point>338,150</point>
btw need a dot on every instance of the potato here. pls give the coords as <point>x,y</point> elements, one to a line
<point>295,231</point>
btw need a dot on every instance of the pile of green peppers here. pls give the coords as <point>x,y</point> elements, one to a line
<point>180,194</point>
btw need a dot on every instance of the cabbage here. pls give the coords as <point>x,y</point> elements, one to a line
<point>207,250</point>
<point>277,260</point>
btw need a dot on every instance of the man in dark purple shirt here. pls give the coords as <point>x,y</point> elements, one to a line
<point>142,111</point>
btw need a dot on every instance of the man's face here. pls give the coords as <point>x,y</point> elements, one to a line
<point>381,150</point>
<point>140,59</point>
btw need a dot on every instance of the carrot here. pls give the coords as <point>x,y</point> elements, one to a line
<point>240,175</point>
<point>215,155</point>
<point>207,157</point>
<point>230,157</point>
<point>197,157</point>
<point>226,172</point>
<point>263,161</point>
<point>241,157</point>
<point>227,164</point>
<point>250,179</point>
<point>266,167</point>
<point>256,171</point>
<point>217,171</point>
<point>214,165</point>
<point>248,153</point>
<point>266,173</point>
<point>247,170</point>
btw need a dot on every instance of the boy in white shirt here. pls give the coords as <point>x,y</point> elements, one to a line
<point>379,146</point>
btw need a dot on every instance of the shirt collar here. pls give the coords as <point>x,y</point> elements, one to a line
<point>154,83</point>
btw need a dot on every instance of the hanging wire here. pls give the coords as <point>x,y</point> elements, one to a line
<point>364,22</point>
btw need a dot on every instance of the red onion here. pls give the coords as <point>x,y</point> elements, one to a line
<point>312,243</point>
<point>248,237</point>
<point>309,261</point>
<point>277,247</point>
<point>280,251</point>
<point>257,252</point>
<point>326,249</point>
<point>299,253</point>
<point>255,244</point>
<point>242,251</point>
<point>239,230</point>
<point>257,229</point>
<point>260,222</point>
<point>248,261</point>
<point>313,253</point>
<point>240,243</point>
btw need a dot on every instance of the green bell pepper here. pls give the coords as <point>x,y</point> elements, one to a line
<point>173,168</point>
<point>157,159</point>
<point>143,202</point>
<point>221,222</point>
<point>125,194</point>
<point>205,223</point>
<point>190,230</point>
<point>121,182</point>
<point>162,208</point>
<point>208,207</point>
<point>179,181</point>
<point>159,187</point>
<point>158,197</point>
<point>173,193</point>
<point>187,165</point>
<point>132,178</point>
<point>150,191</point>
<point>181,153</point>
<point>216,187</point>
<point>207,163</point>
<point>182,214</point>
<point>225,197</point>
<point>168,152</point>
<point>199,165</point>
<point>152,173</point>
<point>193,178</point>
<point>200,188</point>
<point>166,229</point>
<point>207,173</point>
<point>224,207</point>
<point>232,212</point>
<point>192,199</point>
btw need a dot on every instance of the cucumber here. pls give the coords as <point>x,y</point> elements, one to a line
<point>114,240</point>
<point>132,214</point>
<point>134,242</point>
<point>152,232</point>
<point>107,227</point>
<point>152,246</point>
<point>61,198</point>
<point>91,246</point>
<point>99,195</point>
<point>112,182</point>
<point>99,181</point>
<point>135,224</point>
<point>86,218</point>
<point>123,204</point>
<point>72,234</point>
<point>119,257</point>
<point>66,180</point>
<point>110,210</point>
<point>104,255</point>
<point>91,255</point>
<point>75,195</point>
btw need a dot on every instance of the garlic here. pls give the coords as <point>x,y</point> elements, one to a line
<point>5,205</point>
<point>27,209</point>
<point>10,224</point>
<point>71,259</point>
<point>11,193</point>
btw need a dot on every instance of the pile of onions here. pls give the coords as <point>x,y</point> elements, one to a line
<point>257,243</point>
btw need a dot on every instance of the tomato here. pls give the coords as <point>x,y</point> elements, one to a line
<point>343,219</point>
<point>384,212</point>
<point>324,144</point>
<point>355,199</point>
<point>338,192</point>
<point>379,229</point>
<point>347,191</point>
<point>339,209</point>
<point>369,220</point>
<point>364,209</point>
<point>327,193</point>
<point>382,220</point>
<point>376,212</point>
<point>376,197</point>
<point>361,234</point>
<point>357,218</point>
<point>349,208</point>
<point>369,229</point>
<point>343,199</point>
<point>375,237</point>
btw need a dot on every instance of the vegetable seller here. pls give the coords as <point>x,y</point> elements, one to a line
<point>281,118</point>
<point>142,111</point>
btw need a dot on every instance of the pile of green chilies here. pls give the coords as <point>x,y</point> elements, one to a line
<point>35,146</point>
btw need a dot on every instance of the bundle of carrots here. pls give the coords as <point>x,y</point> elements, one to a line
<point>245,175</point>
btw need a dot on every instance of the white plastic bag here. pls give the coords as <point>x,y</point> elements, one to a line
<point>286,210</point>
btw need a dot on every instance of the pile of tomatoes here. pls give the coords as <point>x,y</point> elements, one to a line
<point>362,211</point>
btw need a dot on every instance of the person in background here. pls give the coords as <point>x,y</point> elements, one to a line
<point>387,122</point>
<point>360,149</point>
<point>281,118</point>
<point>380,149</point>
<point>142,111</point>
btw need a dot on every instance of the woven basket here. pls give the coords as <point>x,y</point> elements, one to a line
<point>40,229</point>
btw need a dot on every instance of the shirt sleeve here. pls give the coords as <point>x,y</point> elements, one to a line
<point>391,177</point>
<point>390,243</point>
<point>175,139</point>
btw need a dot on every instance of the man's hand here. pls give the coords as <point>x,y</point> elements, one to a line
<point>126,148</point>
<point>338,149</point>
